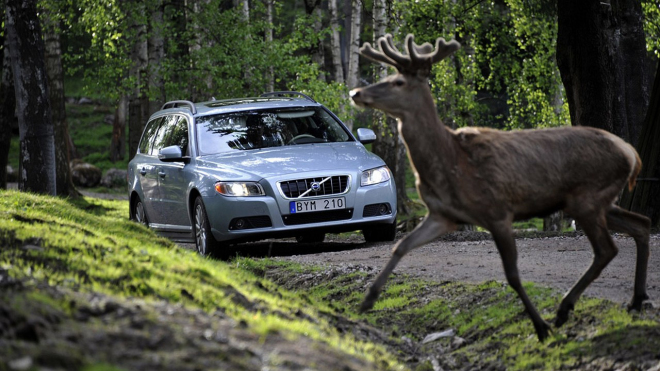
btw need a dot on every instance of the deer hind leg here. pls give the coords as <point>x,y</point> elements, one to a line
<point>506,246</point>
<point>427,230</point>
<point>638,227</point>
<point>604,251</point>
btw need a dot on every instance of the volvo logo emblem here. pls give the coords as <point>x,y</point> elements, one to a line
<point>315,186</point>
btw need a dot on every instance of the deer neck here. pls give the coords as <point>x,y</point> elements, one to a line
<point>427,138</point>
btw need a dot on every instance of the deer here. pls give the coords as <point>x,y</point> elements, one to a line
<point>491,178</point>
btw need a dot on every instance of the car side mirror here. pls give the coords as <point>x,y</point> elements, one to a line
<point>366,136</point>
<point>172,154</point>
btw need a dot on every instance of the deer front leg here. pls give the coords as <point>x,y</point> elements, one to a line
<point>506,246</point>
<point>638,227</point>
<point>604,251</point>
<point>430,228</point>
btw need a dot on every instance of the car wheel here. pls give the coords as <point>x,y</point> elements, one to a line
<point>380,233</point>
<point>317,237</point>
<point>139,215</point>
<point>204,240</point>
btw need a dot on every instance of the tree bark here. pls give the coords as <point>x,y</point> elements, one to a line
<point>156,53</point>
<point>353,75</point>
<point>138,101</point>
<point>118,142</point>
<point>26,48</point>
<point>645,198</point>
<point>601,55</point>
<point>270,77</point>
<point>53,58</point>
<point>335,44</point>
<point>7,111</point>
<point>389,145</point>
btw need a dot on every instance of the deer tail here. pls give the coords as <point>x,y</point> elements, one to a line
<point>632,180</point>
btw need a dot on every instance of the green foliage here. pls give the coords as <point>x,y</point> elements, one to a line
<point>651,9</point>
<point>505,74</point>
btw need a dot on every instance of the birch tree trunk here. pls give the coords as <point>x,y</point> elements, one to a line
<point>353,75</point>
<point>53,58</point>
<point>335,44</point>
<point>26,48</point>
<point>389,145</point>
<point>270,78</point>
<point>7,110</point>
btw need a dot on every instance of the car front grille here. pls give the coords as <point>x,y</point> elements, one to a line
<point>317,217</point>
<point>298,188</point>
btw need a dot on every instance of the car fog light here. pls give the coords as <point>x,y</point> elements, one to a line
<point>239,224</point>
<point>383,209</point>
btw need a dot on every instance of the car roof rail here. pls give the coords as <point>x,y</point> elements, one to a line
<point>177,103</point>
<point>281,93</point>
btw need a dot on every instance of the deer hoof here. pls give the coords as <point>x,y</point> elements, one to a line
<point>636,303</point>
<point>542,330</point>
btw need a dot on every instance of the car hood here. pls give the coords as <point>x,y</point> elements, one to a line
<point>278,161</point>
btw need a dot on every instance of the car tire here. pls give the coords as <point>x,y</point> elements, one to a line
<point>138,214</point>
<point>380,233</point>
<point>317,237</point>
<point>204,241</point>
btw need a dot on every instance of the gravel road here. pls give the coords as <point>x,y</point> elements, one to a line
<point>555,262</point>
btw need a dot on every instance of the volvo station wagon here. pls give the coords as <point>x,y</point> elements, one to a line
<point>281,165</point>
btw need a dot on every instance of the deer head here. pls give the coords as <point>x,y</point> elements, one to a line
<point>395,92</point>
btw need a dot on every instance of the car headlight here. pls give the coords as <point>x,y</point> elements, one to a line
<point>239,189</point>
<point>375,176</point>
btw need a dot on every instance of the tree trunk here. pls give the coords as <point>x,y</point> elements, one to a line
<point>26,48</point>
<point>353,75</point>
<point>601,55</point>
<point>388,144</point>
<point>7,111</point>
<point>118,143</point>
<point>138,101</point>
<point>53,58</point>
<point>645,198</point>
<point>156,53</point>
<point>335,44</point>
<point>553,222</point>
<point>270,77</point>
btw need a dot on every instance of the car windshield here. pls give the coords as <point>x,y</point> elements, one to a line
<point>267,128</point>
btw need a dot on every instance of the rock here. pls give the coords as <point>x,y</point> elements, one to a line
<point>109,119</point>
<point>85,100</point>
<point>12,176</point>
<point>458,342</point>
<point>437,335</point>
<point>24,363</point>
<point>114,178</point>
<point>84,174</point>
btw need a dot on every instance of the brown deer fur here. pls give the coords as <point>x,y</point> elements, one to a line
<point>490,178</point>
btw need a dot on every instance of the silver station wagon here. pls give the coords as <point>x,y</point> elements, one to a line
<point>281,165</point>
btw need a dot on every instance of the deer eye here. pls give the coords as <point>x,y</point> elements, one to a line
<point>399,82</point>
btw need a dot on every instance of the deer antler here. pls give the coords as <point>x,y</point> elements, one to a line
<point>419,58</point>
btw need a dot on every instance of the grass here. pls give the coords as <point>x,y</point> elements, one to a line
<point>490,316</point>
<point>90,246</point>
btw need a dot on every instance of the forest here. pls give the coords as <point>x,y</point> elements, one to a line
<point>523,64</point>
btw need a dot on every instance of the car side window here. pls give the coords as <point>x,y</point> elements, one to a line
<point>160,140</point>
<point>179,135</point>
<point>148,135</point>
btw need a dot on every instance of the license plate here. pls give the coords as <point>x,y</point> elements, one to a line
<point>296,207</point>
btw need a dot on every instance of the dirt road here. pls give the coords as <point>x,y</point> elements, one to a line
<point>555,262</point>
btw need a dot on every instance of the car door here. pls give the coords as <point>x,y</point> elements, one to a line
<point>154,170</point>
<point>173,178</point>
<point>146,169</point>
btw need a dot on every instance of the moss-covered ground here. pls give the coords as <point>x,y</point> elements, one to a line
<point>83,288</point>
